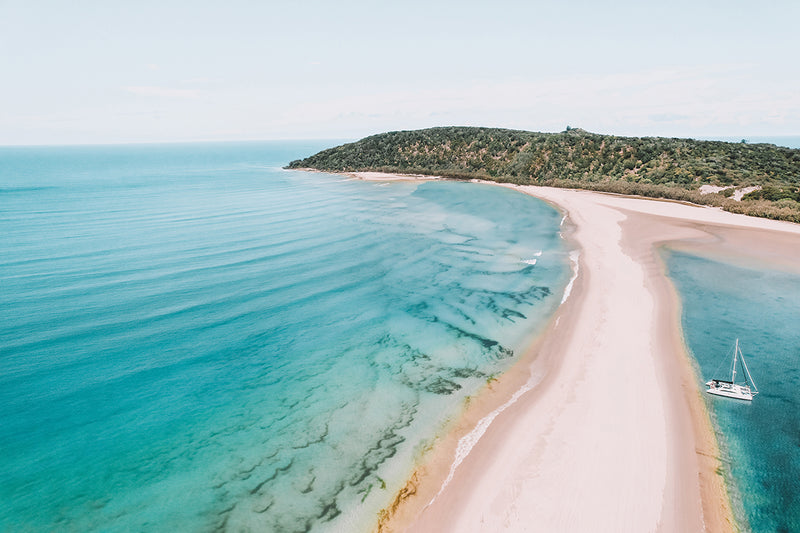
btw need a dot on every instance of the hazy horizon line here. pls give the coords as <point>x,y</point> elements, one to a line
<point>722,137</point>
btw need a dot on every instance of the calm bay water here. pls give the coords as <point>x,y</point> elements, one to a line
<point>760,440</point>
<point>193,338</point>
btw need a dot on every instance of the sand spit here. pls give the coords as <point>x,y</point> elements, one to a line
<point>607,430</point>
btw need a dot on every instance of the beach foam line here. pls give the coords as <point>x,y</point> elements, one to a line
<point>533,261</point>
<point>573,258</point>
<point>468,441</point>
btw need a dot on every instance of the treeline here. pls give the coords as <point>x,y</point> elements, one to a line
<point>649,166</point>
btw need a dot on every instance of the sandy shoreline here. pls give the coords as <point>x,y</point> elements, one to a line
<point>600,425</point>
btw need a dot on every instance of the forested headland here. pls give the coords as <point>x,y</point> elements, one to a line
<point>657,167</point>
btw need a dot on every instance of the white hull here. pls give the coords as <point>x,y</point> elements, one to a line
<point>738,392</point>
<point>730,389</point>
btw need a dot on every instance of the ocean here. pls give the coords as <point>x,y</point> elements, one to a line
<point>192,338</point>
<point>787,141</point>
<point>759,440</point>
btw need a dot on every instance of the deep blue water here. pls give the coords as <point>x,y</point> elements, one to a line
<point>192,338</point>
<point>760,440</point>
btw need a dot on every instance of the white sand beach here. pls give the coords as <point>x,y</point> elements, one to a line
<point>611,432</point>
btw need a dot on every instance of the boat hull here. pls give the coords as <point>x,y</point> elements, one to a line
<point>728,390</point>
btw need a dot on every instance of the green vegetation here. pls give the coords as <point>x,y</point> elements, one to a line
<point>647,166</point>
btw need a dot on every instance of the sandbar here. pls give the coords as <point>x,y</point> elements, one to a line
<point>601,424</point>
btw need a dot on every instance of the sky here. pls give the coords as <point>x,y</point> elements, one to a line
<point>88,72</point>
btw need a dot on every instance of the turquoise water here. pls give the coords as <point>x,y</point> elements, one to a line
<point>193,338</point>
<point>760,440</point>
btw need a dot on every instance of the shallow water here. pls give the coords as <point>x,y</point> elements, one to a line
<point>193,338</point>
<point>760,439</point>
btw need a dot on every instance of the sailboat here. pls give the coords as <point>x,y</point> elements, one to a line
<point>731,389</point>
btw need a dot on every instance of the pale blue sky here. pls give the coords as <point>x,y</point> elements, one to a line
<point>108,72</point>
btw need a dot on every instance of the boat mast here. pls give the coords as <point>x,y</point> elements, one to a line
<point>735,354</point>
